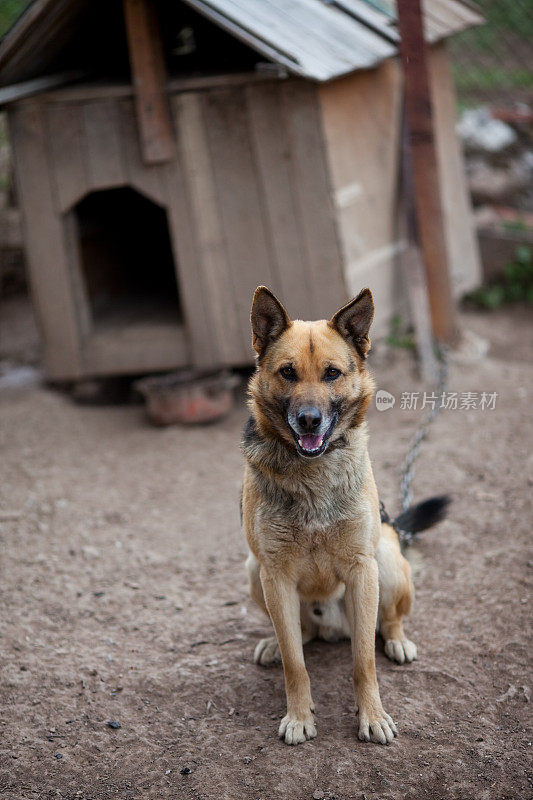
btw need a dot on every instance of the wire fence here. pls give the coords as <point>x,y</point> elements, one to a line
<point>493,63</point>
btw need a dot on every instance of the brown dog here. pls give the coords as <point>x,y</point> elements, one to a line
<point>321,562</point>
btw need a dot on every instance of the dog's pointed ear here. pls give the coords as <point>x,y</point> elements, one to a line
<point>353,321</point>
<point>268,317</point>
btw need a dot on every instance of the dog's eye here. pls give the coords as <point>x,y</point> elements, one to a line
<point>289,373</point>
<point>332,373</point>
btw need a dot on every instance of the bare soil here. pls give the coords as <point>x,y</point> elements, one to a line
<point>124,599</point>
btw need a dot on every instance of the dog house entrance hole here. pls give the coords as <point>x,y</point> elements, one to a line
<point>126,259</point>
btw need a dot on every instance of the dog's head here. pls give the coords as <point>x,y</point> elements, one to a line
<point>311,385</point>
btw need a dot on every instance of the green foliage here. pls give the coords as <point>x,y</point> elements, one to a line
<point>487,77</point>
<point>502,17</point>
<point>515,225</point>
<point>10,10</point>
<point>399,336</point>
<point>516,284</point>
<point>496,56</point>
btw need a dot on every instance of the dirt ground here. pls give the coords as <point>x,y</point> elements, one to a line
<point>124,599</point>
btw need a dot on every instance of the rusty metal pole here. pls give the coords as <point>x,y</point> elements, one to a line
<point>429,217</point>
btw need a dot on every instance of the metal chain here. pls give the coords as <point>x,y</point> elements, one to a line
<point>406,537</point>
<point>422,432</point>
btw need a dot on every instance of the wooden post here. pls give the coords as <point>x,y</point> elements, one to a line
<point>412,264</point>
<point>149,74</point>
<point>429,217</point>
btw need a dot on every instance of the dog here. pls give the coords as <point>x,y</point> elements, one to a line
<point>321,561</point>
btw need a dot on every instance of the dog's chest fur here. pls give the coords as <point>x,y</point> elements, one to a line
<point>300,496</point>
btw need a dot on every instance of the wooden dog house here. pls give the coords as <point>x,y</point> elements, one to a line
<point>272,157</point>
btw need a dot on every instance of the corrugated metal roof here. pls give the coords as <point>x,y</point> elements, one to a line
<point>316,39</point>
<point>325,39</point>
<point>442,18</point>
<point>309,37</point>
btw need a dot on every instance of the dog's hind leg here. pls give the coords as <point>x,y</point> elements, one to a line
<point>396,594</point>
<point>254,582</point>
<point>267,650</point>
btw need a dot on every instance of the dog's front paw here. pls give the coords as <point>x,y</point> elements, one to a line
<point>296,729</point>
<point>403,651</point>
<point>267,652</point>
<point>378,727</point>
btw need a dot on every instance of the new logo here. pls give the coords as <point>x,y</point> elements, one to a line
<point>384,400</point>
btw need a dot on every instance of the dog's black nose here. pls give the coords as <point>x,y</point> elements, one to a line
<point>309,419</point>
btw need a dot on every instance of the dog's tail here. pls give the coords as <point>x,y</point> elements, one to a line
<point>424,515</point>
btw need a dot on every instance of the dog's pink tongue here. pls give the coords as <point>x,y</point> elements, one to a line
<point>310,442</point>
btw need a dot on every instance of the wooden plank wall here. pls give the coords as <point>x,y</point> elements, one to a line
<point>257,186</point>
<point>52,291</point>
<point>247,196</point>
<point>64,151</point>
<point>460,233</point>
<point>361,118</point>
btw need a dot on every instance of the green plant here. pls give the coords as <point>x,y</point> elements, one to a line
<point>399,335</point>
<point>489,77</point>
<point>515,225</point>
<point>516,283</point>
<point>10,10</point>
<point>494,59</point>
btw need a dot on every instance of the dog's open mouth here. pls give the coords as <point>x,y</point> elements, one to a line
<point>312,445</point>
